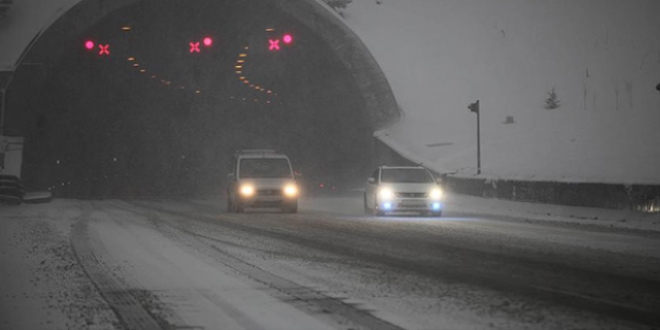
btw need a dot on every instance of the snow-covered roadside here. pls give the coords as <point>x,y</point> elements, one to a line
<point>42,286</point>
<point>509,210</point>
<point>580,216</point>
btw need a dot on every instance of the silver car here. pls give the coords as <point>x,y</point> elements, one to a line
<point>403,189</point>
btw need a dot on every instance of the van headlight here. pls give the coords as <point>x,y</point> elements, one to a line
<point>247,190</point>
<point>385,193</point>
<point>436,193</point>
<point>291,190</point>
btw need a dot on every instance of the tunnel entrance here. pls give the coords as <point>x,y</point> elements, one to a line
<point>170,90</point>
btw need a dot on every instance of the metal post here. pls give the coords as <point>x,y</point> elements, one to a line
<point>3,91</point>
<point>478,145</point>
<point>474,107</point>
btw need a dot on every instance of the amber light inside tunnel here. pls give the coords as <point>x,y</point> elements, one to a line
<point>120,132</point>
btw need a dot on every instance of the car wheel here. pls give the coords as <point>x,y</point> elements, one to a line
<point>230,206</point>
<point>434,214</point>
<point>377,211</point>
<point>367,210</point>
<point>290,207</point>
<point>238,208</point>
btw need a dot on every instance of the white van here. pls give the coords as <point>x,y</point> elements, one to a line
<point>261,178</point>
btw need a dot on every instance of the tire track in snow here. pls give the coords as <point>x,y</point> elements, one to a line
<point>571,297</point>
<point>127,307</point>
<point>335,311</point>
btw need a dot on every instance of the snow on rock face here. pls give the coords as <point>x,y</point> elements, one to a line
<point>602,59</point>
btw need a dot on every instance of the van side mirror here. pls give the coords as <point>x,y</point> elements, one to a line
<point>371,180</point>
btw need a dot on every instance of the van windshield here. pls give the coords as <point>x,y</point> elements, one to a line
<point>264,168</point>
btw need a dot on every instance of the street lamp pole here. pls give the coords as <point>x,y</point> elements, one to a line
<point>5,80</point>
<point>3,105</point>
<point>474,107</point>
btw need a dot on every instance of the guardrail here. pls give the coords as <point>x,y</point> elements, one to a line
<point>636,197</point>
<point>11,190</point>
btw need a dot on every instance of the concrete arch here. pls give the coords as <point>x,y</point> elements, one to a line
<point>380,103</point>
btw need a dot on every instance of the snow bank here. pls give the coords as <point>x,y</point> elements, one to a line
<point>602,58</point>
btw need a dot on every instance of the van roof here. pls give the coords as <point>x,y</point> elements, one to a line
<point>259,153</point>
<point>403,167</point>
<point>263,156</point>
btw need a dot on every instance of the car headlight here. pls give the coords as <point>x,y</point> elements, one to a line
<point>385,193</point>
<point>436,193</point>
<point>291,190</point>
<point>247,190</point>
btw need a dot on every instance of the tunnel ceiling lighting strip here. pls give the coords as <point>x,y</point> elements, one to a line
<point>126,28</point>
<point>239,66</point>
<point>131,58</point>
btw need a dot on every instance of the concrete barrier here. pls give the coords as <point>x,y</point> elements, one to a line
<point>11,189</point>
<point>637,197</point>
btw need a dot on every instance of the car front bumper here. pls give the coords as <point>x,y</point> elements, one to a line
<point>410,204</point>
<point>267,198</point>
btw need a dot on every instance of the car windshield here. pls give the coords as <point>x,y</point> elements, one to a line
<point>405,175</point>
<point>264,168</point>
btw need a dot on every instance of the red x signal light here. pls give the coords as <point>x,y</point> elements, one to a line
<point>104,49</point>
<point>194,47</point>
<point>274,44</point>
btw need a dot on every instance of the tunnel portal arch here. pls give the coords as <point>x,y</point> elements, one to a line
<point>377,104</point>
<point>380,103</point>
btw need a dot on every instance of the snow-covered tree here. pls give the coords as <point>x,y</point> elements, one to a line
<point>552,102</point>
<point>338,4</point>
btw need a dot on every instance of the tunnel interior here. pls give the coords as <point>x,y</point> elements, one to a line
<point>143,104</point>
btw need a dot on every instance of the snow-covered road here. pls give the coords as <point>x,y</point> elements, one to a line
<point>190,265</point>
